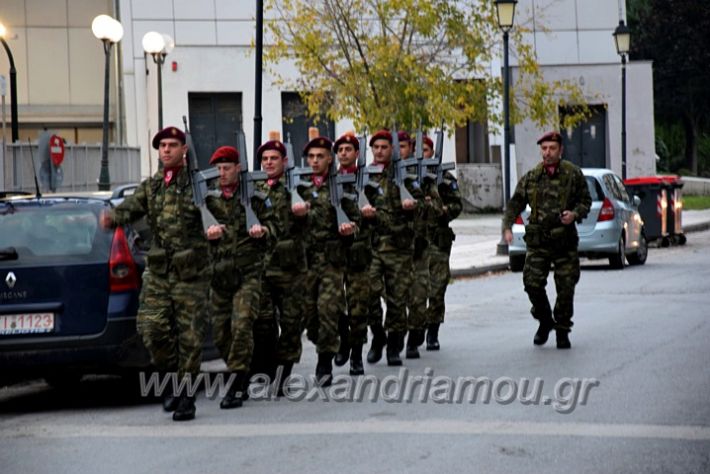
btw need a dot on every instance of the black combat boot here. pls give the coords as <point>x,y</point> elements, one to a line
<point>395,341</point>
<point>432,337</point>
<point>324,369</point>
<point>286,368</point>
<point>543,332</point>
<point>341,357</point>
<point>185,409</point>
<point>415,339</point>
<point>563,339</point>
<point>356,367</point>
<point>170,401</point>
<point>379,339</point>
<point>234,396</point>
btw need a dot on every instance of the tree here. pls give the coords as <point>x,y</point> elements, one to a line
<point>675,35</point>
<point>412,62</point>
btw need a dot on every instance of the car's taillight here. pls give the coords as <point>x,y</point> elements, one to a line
<point>606,213</point>
<point>519,220</point>
<point>123,275</point>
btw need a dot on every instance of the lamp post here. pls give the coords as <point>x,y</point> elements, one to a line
<point>259,43</point>
<point>109,31</point>
<point>13,85</point>
<point>622,38</point>
<point>158,46</point>
<point>505,10</point>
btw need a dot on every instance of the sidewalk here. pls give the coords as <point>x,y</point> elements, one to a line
<point>478,235</point>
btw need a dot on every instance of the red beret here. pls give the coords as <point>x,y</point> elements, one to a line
<point>347,138</point>
<point>271,145</point>
<point>168,132</point>
<point>225,154</point>
<point>551,136</point>
<point>403,136</point>
<point>428,141</point>
<point>383,134</point>
<point>318,142</point>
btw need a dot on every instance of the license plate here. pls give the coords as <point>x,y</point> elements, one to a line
<point>26,323</point>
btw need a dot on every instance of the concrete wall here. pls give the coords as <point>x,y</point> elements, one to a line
<point>696,186</point>
<point>480,185</point>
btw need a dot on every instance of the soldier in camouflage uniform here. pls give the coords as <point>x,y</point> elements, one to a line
<point>171,316</point>
<point>239,269</point>
<point>558,197</point>
<point>391,267</point>
<point>357,277</point>
<point>327,258</point>
<point>441,240</point>
<point>286,267</point>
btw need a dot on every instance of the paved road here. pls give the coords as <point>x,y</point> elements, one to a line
<point>634,396</point>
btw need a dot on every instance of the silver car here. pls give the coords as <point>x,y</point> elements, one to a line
<point>613,229</point>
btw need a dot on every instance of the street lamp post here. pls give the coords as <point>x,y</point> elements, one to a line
<point>13,86</point>
<point>505,10</point>
<point>158,46</point>
<point>622,38</point>
<point>109,31</point>
<point>258,70</point>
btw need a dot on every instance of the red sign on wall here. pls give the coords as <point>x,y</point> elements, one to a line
<point>56,149</point>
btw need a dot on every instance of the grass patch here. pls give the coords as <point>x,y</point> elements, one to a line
<point>696,203</point>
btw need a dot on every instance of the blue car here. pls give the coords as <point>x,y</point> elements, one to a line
<point>613,229</point>
<point>68,290</point>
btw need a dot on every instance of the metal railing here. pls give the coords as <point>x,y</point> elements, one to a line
<point>78,172</point>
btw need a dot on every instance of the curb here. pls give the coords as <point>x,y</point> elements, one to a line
<point>501,267</point>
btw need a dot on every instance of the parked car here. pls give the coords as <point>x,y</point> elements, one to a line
<point>613,229</point>
<point>68,289</point>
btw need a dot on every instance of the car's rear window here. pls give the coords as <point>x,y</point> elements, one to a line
<point>595,189</point>
<point>51,229</point>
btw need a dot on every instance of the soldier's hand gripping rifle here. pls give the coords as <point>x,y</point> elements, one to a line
<point>198,181</point>
<point>335,188</point>
<point>293,174</point>
<point>363,174</point>
<point>399,168</point>
<point>246,181</point>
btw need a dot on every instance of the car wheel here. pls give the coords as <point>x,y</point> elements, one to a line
<point>517,262</point>
<point>618,260</point>
<point>639,257</point>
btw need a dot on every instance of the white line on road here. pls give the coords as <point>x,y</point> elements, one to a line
<point>435,426</point>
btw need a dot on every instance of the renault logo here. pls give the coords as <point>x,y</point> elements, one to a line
<point>10,279</point>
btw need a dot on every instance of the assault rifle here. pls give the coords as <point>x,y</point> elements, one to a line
<point>363,174</point>
<point>434,164</point>
<point>399,167</point>
<point>198,181</point>
<point>246,181</point>
<point>335,188</point>
<point>293,174</point>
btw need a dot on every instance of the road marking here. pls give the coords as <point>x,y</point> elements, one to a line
<point>370,426</point>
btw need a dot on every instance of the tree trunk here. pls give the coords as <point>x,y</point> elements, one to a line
<point>691,143</point>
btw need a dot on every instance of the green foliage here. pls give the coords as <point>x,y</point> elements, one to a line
<point>414,62</point>
<point>696,203</point>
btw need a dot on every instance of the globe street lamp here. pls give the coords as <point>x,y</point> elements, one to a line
<point>109,31</point>
<point>158,46</point>
<point>622,38</point>
<point>13,85</point>
<point>505,10</point>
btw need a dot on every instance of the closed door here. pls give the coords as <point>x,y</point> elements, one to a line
<point>214,121</point>
<point>585,144</point>
<point>296,123</point>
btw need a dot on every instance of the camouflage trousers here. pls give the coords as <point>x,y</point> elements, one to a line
<point>440,274</point>
<point>390,274</point>
<point>538,262</point>
<point>171,320</point>
<point>232,330</point>
<point>357,295</point>
<point>419,293</point>
<point>284,293</point>
<point>324,303</point>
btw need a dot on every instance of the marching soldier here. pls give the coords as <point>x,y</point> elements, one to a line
<point>357,278</point>
<point>286,266</point>
<point>327,258</point>
<point>233,331</point>
<point>171,315</point>
<point>441,240</point>
<point>390,270</point>
<point>558,197</point>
